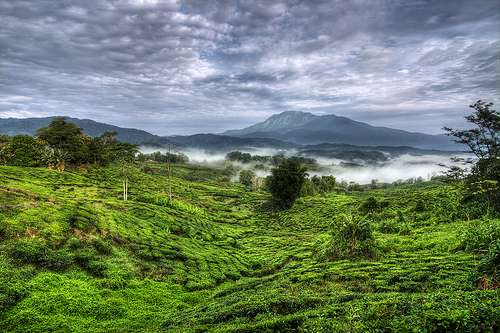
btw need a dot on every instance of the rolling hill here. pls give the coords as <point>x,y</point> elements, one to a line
<point>14,126</point>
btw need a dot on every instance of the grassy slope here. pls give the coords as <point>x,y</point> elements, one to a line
<point>74,257</point>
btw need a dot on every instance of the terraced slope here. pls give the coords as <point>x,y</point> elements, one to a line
<point>75,257</point>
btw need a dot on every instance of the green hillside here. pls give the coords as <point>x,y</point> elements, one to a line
<point>75,257</point>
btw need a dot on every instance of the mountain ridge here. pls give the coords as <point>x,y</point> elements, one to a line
<point>314,129</point>
<point>284,130</point>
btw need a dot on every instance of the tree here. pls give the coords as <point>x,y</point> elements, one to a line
<point>247,178</point>
<point>22,150</point>
<point>483,140</point>
<point>285,182</point>
<point>68,138</point>
<point>5,152</point>
<point>106,149</point>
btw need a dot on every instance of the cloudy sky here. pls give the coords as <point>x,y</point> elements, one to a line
<point>205,66</point>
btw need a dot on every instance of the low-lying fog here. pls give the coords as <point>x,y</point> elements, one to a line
<point>402,167</point>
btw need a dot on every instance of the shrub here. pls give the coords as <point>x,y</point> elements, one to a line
<point>246,178</point>
<point>478,235</point>
<point>370,205</point>
<point>350,237</point>
<point>389,227</point>
<point>87,259</point>
<point>102,246</point>
<point>420,206</point>
<point>489,267</point>
<point>36,252</point>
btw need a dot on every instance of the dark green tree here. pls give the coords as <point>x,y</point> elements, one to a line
<point>67,138</point>
<point>106,149</point>
<point>285,182</point>
<point>483,140</point>
<point>22,150</point>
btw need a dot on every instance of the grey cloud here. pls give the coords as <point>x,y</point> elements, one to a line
<point>188,66</point>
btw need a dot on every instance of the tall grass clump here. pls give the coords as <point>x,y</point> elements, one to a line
<point>489,268</point>
<point>478,235</point>
<point>350,237</point>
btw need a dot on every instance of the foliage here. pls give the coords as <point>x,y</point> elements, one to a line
<point>285,183</point>
<point>66,137</point>
<point>21,150</point>
<point>351,237</point>
<point>61,144</point>
<point>483,140</point>
<point>489,267</point>
<point>319,185</point>
<point>106,149</point>
<point>75,257</point>
<point>478,235</point>
<point>370,205</point>
<point>166,157</point>
<point>247,178</point>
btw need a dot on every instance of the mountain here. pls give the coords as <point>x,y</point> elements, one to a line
<point>284,121</point>
<point>290,129</point>
<point>14,126</point>
<point>217,142</point>
<point>307,128</point>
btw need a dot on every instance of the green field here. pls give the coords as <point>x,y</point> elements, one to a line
<point>75,257</point>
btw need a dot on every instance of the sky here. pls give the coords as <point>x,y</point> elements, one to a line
<point>183,67</point>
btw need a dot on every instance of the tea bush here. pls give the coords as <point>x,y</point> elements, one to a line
<point>351,237</point>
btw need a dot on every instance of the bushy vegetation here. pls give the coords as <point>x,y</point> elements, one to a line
<point>247,178</point>
<point>274,160</point>
<point>63,144</point>
<point>75,257</point>
<point>285,182</point>
<point>482,181</point>
<point>351,237</point>
<point>166,157</point>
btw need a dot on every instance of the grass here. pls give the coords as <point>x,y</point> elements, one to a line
<point>75,257</point>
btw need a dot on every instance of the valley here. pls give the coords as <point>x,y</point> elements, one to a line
<point>76,257</point>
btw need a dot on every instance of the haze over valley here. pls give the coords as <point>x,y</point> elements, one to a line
<point>329,140</point>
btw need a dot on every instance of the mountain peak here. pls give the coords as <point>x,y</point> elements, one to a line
<point>306,128</point>
<point>282,121</point>
<point>293,113</point>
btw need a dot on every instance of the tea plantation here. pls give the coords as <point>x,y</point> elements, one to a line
<point>75,257</point>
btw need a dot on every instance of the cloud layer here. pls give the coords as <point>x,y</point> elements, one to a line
<point>206,66</point>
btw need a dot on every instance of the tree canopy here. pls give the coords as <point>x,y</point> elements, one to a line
<point>286,181</point>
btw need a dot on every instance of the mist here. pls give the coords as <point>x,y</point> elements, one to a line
<point>401,167</point>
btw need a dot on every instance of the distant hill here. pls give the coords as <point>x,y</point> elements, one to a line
<point>307,128</point>
<point>367,154</point>
<point>326,135</point>
<point>224,142</point>
<point>14,126</point>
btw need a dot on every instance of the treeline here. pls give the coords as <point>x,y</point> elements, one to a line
<point>62,144</point>
<point>160,157</point>
<point>238,156</point>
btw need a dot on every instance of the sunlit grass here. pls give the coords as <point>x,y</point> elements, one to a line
<point>75,257</point>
